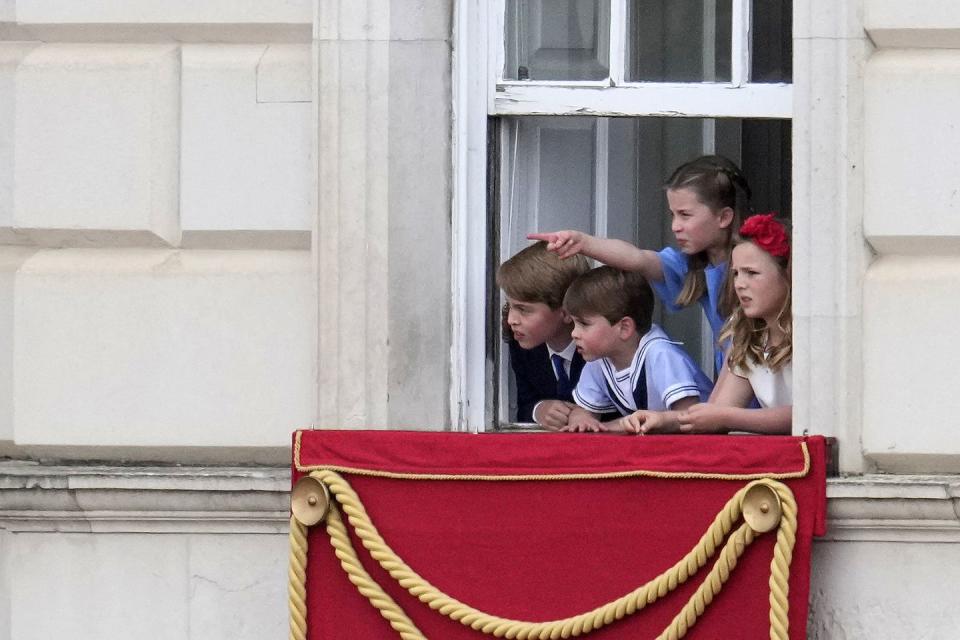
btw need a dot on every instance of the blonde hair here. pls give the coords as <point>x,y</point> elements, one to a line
<point>537,275</point>
<point>718,183</point>
<point>748,346</point>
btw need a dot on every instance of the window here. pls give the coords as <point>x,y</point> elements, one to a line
<point>590,104</point>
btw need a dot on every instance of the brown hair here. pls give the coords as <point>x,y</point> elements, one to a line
<point>748,335</point>
<point>537,275</point>
<point>613,294</point>
<point>717,183</point>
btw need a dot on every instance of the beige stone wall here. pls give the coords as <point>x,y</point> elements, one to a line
<point>220,221</point>
<point>155,220</point>
<point>224,219</point>
<point>215,229</point>
<point>911,214</point>
<point>384,206</point>
<point>875,290</point>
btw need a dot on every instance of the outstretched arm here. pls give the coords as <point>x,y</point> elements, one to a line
<point>712,418</point>
<point>726,411</point>
<point>616,253</point>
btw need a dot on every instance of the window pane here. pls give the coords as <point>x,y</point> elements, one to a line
<point>605,176</point>
<point>557,40</point>
<point>679,41</point>
<point>772,41</point>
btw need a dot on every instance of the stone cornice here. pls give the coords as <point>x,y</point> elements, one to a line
<point>143,499</point>
<point>36,497</point>
<point>893,508</point>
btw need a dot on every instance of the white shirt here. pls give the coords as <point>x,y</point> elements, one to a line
<point>772,389</point>
<point>566,354</point>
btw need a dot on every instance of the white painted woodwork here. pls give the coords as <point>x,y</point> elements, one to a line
<point>470,400</point>
<point>740,50</point>
<point>693,100</point>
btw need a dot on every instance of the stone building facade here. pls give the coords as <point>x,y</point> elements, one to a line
<point>221,220</point>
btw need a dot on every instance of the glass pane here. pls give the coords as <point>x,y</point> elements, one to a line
<point>549,164</point>
<point>557,40</point>
<point>605,176</point>
<point>679,40</point>
<point>772,52</point>
<point>766,152</point>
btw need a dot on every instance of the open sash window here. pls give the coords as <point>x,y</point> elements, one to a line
<point>590,105</point>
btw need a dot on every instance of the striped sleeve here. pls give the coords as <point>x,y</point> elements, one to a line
<point>591,392</point>
<point>673,375</point>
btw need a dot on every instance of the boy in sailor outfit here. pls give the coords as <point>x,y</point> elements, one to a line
<point>631,363</point>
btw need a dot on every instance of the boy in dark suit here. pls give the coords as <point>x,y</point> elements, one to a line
<point>543,357</point>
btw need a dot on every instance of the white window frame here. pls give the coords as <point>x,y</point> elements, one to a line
<point>479,91</point>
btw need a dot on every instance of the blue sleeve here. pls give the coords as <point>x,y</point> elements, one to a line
<point>591,391</point>
<point>674,265</point>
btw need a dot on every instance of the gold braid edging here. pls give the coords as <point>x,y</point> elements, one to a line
<point>780,565</point>
<point>298,580</point>
<point>575,625</point>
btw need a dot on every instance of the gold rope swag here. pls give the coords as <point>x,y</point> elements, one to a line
<point>775,507</point>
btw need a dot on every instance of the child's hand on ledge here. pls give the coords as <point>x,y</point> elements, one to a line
<point>644,421</point>
<point>582,420</point>
<point>704,418</point>
<point>552,414</point>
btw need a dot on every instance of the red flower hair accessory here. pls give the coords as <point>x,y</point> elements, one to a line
<point>769,234</point>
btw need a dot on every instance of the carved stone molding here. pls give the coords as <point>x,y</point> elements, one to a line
<point>107,499</point>
<point>35,497</point>
<point>894,508</point>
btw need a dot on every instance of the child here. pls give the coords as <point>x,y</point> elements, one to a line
<point>761,334</point>
<point>542,354</point>
<point>707,198</point>
<point>631,363</point>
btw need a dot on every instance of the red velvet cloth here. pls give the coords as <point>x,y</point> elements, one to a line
<point>539,550</point>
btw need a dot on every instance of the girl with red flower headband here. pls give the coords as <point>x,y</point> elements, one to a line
<point>760,331</point>
<point>761,334</point>
<point>708,197</point>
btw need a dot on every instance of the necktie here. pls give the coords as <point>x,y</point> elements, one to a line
<point>564,388</point>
